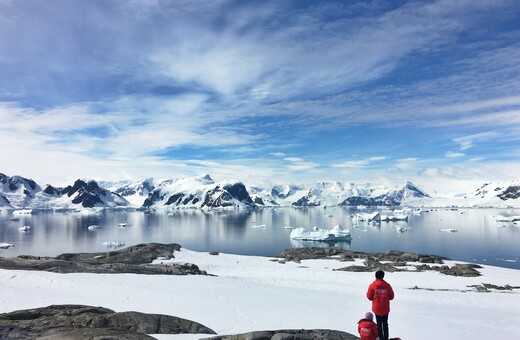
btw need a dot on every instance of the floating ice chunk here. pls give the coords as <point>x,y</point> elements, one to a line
<point>507,218</point>
<point>22,212</point>
<point>123,225</point>
<point>25,228</point>
<point>448,230</point>
<point>93,227</point>
<point>337,233</point>
<point>6,245</point>
<point>394,217</point>
<point>114,244</point>
<point>365,217</point>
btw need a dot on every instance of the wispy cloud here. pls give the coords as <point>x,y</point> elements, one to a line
<point>360,163</point>
<point>469,141</point>
<point>451,154</point>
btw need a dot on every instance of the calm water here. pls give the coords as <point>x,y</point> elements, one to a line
<point>479,239</point>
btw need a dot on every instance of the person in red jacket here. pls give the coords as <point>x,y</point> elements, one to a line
<point>367,328</point>
<point>380,293</point>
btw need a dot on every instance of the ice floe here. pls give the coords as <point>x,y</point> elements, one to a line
<point>318,234</point>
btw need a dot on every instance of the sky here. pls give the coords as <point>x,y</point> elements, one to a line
<point>262,91</point>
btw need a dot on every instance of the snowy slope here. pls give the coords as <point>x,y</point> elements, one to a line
<point>17,191</point>
<point>134,192</point>
<point>338,193</point>
<point>496,194</point>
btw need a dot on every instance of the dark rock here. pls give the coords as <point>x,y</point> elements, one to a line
<point>53,191</point>
<point>174,199</point>
<point>289,334</point>
<point>258,200</point>
<point>512,192</point>
<point>306,201</point>
<point>465,270</point>
<point>390,199</point>
<point>135,259</point>
<point>224,196</point>
<point>87,322</point>
<point>379,201</point>
<point>153,197</point>
<point>390,261</point>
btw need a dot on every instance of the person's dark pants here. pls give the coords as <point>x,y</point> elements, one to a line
<point>382,326</point>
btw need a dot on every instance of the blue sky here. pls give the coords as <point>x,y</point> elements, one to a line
<point>280,91</point>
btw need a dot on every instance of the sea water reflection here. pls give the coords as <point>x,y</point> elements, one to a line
<point>479,238</point>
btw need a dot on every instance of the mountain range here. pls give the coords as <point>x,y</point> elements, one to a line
<point>202,192</point>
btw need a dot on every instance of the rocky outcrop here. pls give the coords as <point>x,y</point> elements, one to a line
<point>512,192</point>
<point>390,261</point>
<point>87,322</point>
<point>379,201</point>
<point>228,195</point>
<point>136,259</point>
<point>308,200</point>
<point>88,194</point>
<point>4,202</point>
<point>392,198</point>
<point>290,334</point>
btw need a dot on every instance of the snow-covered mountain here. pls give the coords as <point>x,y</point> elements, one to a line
<point>496,194</point>
<point>337,193</point>
<point>389,197</point>
<point>17,192</point>
<point>134,192</point>
<point>199,192</point>
<point>85,193</point>
<point>202,192</point>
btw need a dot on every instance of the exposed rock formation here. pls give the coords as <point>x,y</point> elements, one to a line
<point>290,334</point>
<point>390,261</point>
<point>87,322</point>
<point>136,259</point>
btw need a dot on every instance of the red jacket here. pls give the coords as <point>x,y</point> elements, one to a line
<point>380,293</point>
<point>367,329</point>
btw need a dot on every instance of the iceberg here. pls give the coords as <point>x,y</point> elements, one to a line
<point>114,244</point>
<point>389,218</point>
<point>6,245</point>
<point>374,217</point>
<point>25,228</point>
<point>337,233</point>
<point>400,229</point>
<point>397,215</point>
<point>23,212</point>
<point>507,218</point>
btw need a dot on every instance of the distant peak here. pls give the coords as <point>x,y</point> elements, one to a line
<point>206,179</point>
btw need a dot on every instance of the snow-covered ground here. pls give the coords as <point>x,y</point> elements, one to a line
<point>256,293</point>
